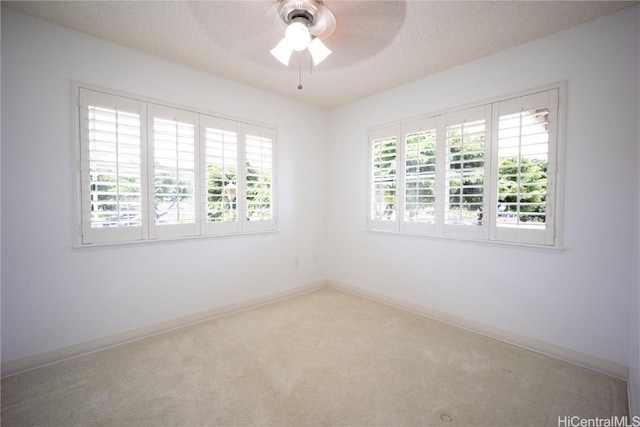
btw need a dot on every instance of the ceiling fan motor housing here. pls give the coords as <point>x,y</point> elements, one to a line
<point>297,10</point>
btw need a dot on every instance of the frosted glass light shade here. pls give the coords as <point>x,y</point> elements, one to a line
<point>318,51</point>
<point>297,35</point>
<point>298,38</point>
<point>282,52</point>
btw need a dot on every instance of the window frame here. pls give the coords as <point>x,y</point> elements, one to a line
<point>488,232</point>
<point>149,231</point>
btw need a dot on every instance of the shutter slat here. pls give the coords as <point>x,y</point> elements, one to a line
<point>174,169</point>
<point>114,166</point>
<point>221,162</point>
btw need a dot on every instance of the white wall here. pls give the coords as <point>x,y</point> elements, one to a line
<point>634,315</point>
<point>578,298</point>
<point>54,295</point>
<point>0,189</point>
<point>634,335</point>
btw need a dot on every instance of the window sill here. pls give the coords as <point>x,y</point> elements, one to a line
<point>173,240</point>
<point>492,243</point>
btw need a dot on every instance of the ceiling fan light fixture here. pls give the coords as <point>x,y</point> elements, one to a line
<point>282,52</point>
<point>308,22</point>
<point>318,51</point>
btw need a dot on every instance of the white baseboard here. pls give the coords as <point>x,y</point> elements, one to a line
<point>58,355</point>
<point>633,393</point>
<point>633,410</point>
<point>558,352</point>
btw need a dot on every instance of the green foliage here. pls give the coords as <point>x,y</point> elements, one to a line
<point>170,189</point>
<point>384,172</point>
<point>258,189</point>
<point>522,187</point>
<point>110,191</point>
<point>221,197</point>
<point>420,168</point>
<point>221,205</point>
<point>466,171</point>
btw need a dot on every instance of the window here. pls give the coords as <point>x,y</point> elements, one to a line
<point>420,168</point>
<point>220,173</point>
<point>258,173</point>
<point>172,164</point>
<point>526,157</point>
<point>151,171</point>
<point>466,172</point>
<point>487,172</point>
<point>383,180</point>
<point>420,176</point>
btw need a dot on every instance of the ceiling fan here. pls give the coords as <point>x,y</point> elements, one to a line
<point>306,23</point>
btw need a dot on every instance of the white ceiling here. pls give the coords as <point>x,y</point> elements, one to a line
<point>377,44</point>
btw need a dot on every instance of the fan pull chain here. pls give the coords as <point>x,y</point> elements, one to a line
<point>300,75</point>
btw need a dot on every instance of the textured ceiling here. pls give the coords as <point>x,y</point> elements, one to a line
<point>377,44</point>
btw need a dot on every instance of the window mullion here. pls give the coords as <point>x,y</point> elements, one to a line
<point>144,169</point>
<point>148,212</point>
<point>490,214</point>
<point>197,185</point>
<point>201,177</point>
<point>488,191</point>
<point>519,171</point>
<point>178,172</point>
<point>401,142</point>
<point>441,142</point>
<point>241,202</point>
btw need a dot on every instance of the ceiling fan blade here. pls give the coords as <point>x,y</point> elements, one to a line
<point>324,25</point>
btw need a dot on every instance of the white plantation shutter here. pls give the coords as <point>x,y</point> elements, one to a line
<point>173,169</point>
<point>112,165</point>
<point>422,143</point>
<point>150,171</point>
<point>525,159</point>
<point>467,172</point>
<point>383,178</point>
<point>258,178</point>
<point>487,172</point>
<point>220,175</point>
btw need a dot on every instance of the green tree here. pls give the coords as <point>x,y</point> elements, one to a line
<point>221,197</point>
<point>221,193</point>
<point>111,191</point>
<point>258,182</point>
<point>172,189</point>
<point>420,167</point>
<point>465,173</point>
<point>522,188</point>
<point>384,174</point>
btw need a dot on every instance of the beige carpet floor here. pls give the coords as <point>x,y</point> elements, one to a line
<point>325,358</point>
